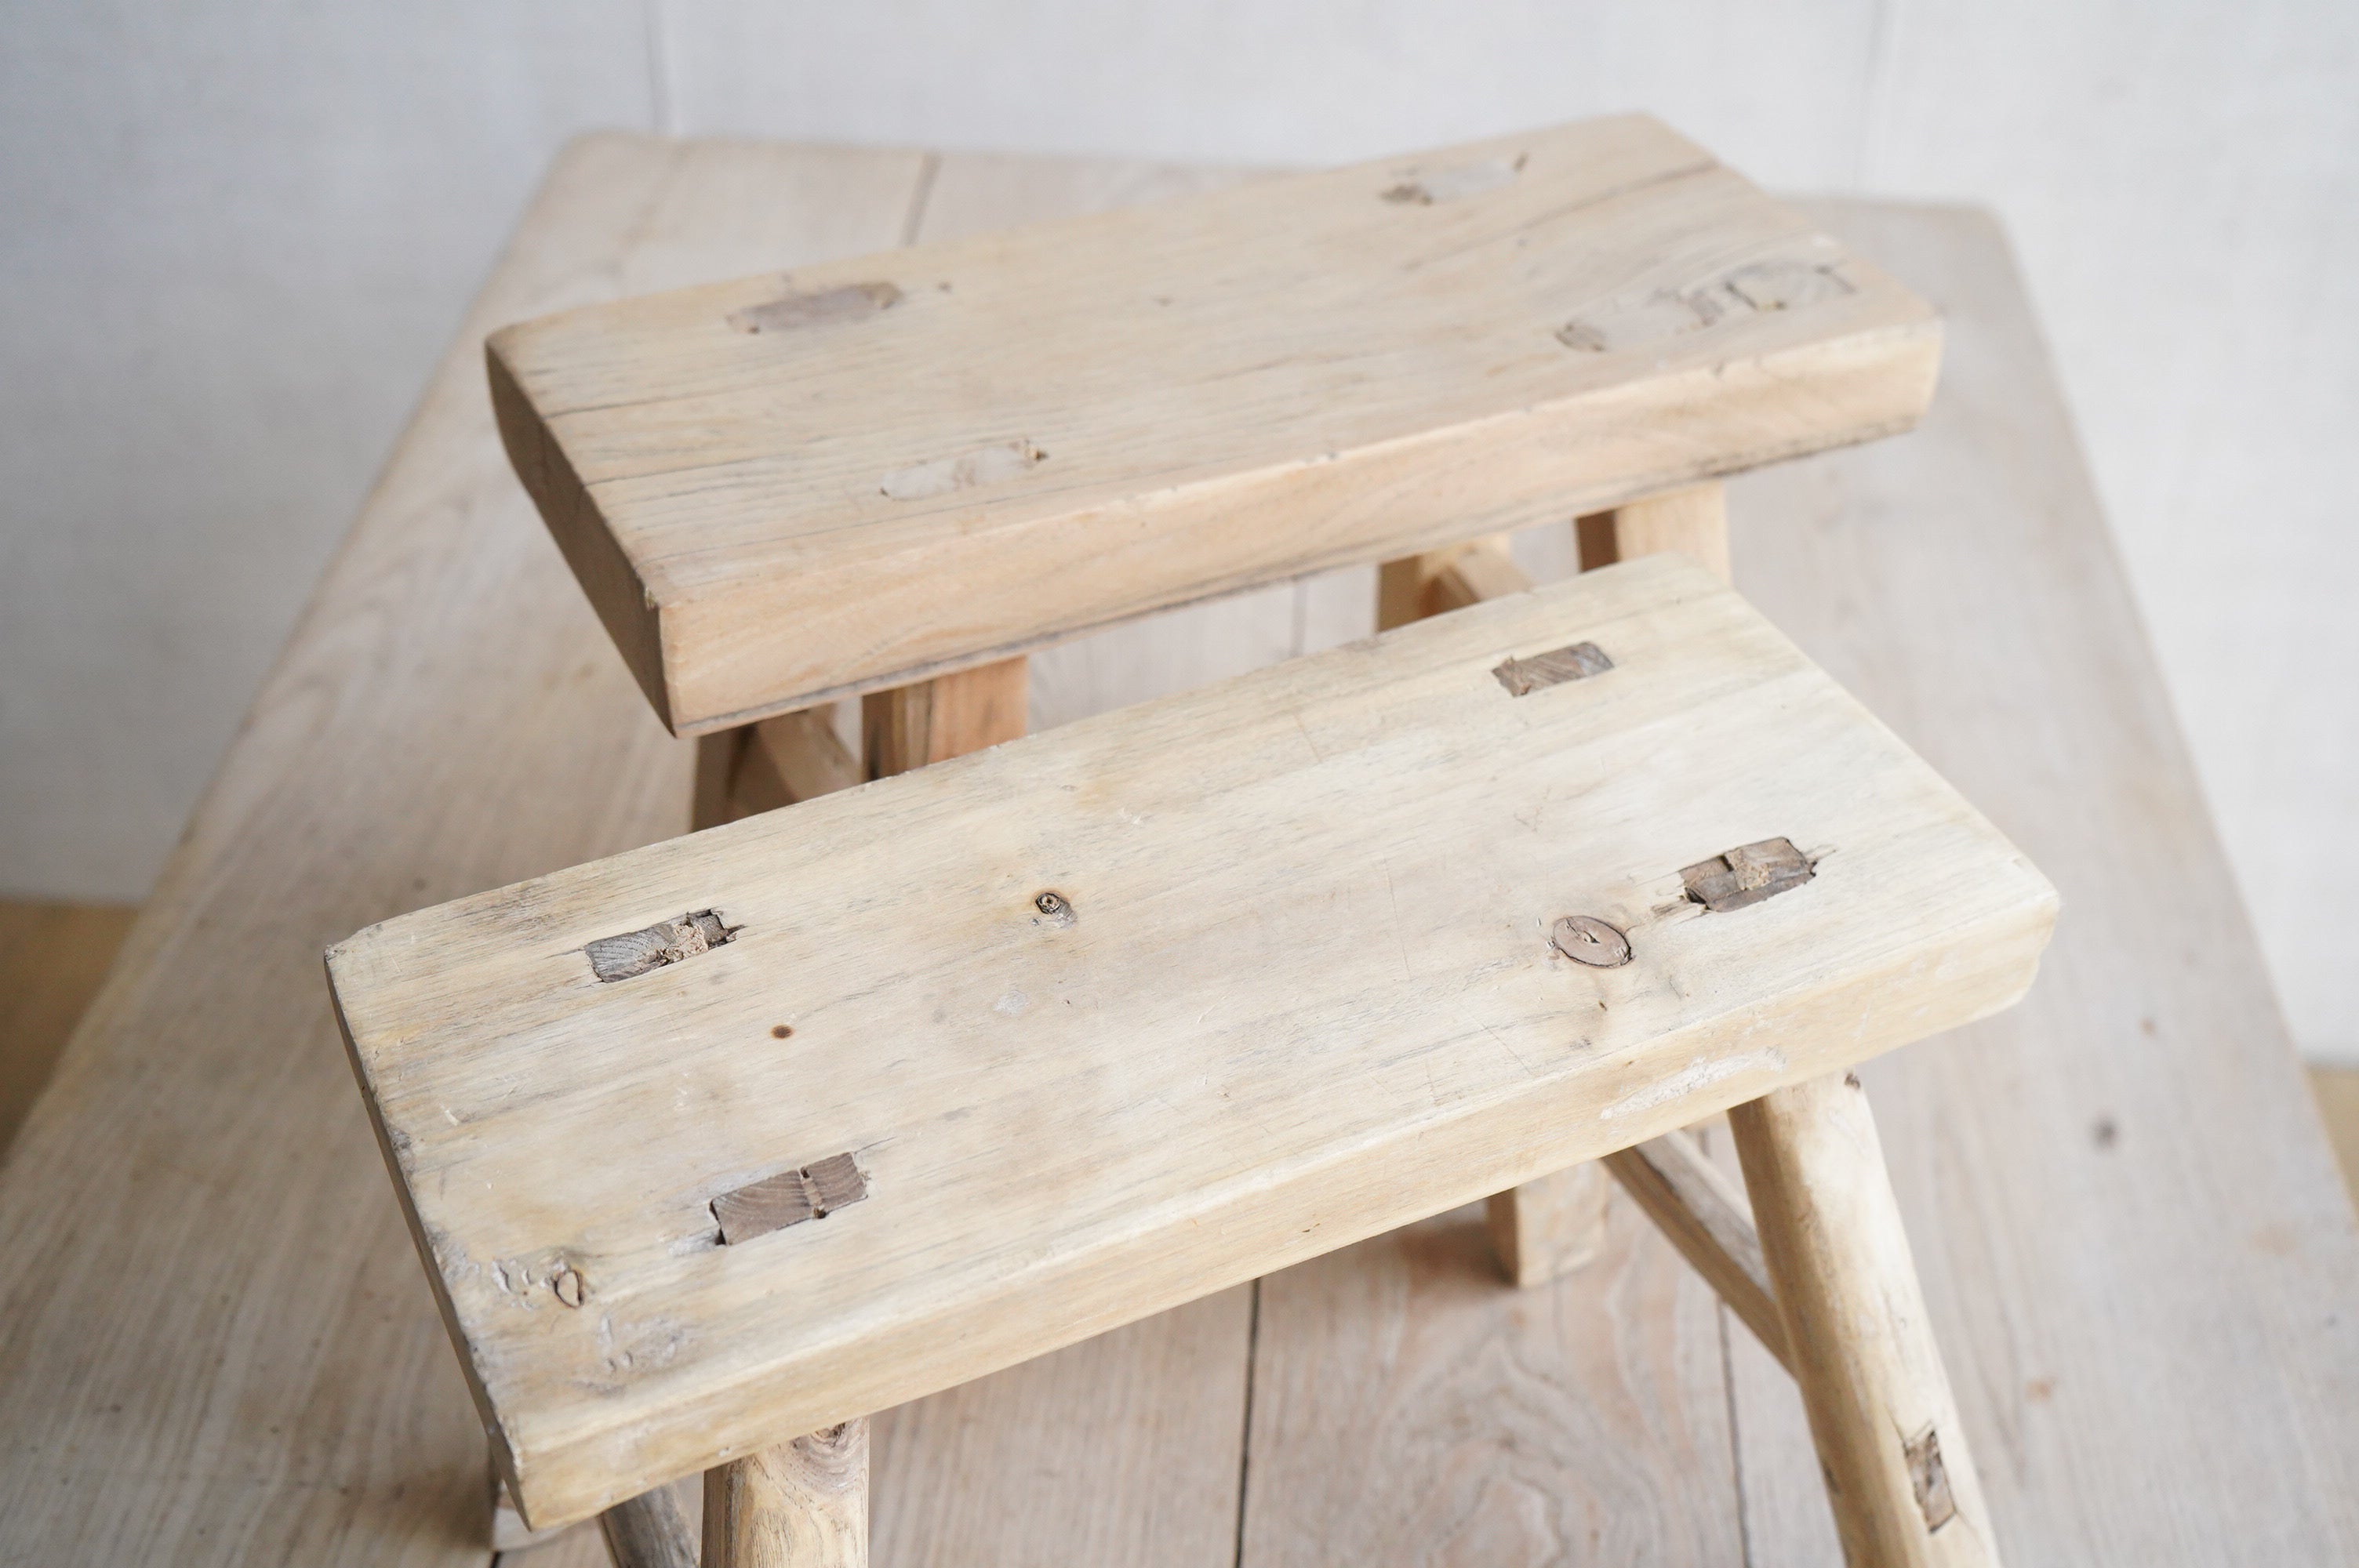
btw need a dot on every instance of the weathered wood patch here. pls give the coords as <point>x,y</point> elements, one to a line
<point>1578,662</point>
<point>1451,184</point>
<point>1784,284</point>
<point>961,471</point>
<point>1931,1478</point>
<point>809,1191</point>
<point>853,302</point>
<point>651,947</point>
<point>1747,874</point>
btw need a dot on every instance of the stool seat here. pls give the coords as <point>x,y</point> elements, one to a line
<point>738,1136</point>
<point>790,489</point>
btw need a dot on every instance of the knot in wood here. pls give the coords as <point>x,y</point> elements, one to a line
<point>1585,939</point>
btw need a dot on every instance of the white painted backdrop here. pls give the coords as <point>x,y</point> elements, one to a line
<point>233,234</point>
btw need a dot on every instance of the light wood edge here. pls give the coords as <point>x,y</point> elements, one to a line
<point>607,575</point>
<point>509,1532</point>
<point>1858,1342</point>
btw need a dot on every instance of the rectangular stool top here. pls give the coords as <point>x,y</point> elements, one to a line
<point>794,487</point>
<point>737,1136</point>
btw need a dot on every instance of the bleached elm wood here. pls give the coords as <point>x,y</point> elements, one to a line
<point>806,1502</point>
<point>934,720</point>
<point>1545,1228</point>
<point>1473,576</point>
<point>1692,522</point>
<point>1212,899</point>
<point>1409,1411</point>
<point>1472,340</point>
<point>791,757</point>
<point>1903,1490</point>
<point>802,1504</point>
<point>1125,1448</point>
<point>2138,1119</point>
<point>1706,1218</point>
<point>648,1531</point>
<point>509,1533</point>
<point>212,1346</point>
<point>1850,1321</point>
<point>2117,1202</point>
<point>2086,1263</point>
<point>720,757</point>
<point>1407,590</point>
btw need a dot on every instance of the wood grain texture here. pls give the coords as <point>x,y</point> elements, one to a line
<point>1904,1489</point>
<point>1123,1448</point>
<point>648,1531</point>
<point>1549,1227</point>
<point>800,1504</point>
<point>2119,1203</point>
<point>1127,1447</point>
<point>1692,521</point>
<point>917,910</point>
<point>52,957</point>
<point>1555,1224</point>
<point>1411,588</point>
<point>1410,1409</point>
<point>1614,314</point>
<point>794,756</point>
<point>1705,1216</point>
<point>270,1384</point>
<point>2155,1224</point>
<point>949,716</point>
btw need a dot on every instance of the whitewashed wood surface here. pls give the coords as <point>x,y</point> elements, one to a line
<point>215,1345</point>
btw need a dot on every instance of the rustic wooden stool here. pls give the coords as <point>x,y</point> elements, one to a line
<point>1289,961</point>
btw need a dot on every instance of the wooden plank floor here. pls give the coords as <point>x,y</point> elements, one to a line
<point>215,1345</point>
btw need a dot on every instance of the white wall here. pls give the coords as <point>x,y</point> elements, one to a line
<point>233,235</point>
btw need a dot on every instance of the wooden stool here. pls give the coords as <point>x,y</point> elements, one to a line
<point>889,476</point>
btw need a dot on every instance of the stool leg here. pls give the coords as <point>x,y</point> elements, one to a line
<point>717,756</point>
<point>1904,1489</point>
<point>764,765</point>
<point>648,1531</point>
<point>1691,523</point>
<point>934,720</point>
<point>801,1505</point>
<point>1418,585</point>
<point>1546,1228</point>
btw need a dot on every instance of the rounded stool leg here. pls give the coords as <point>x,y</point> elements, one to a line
<point>1903,1486</point>
<point>801,1505</point>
